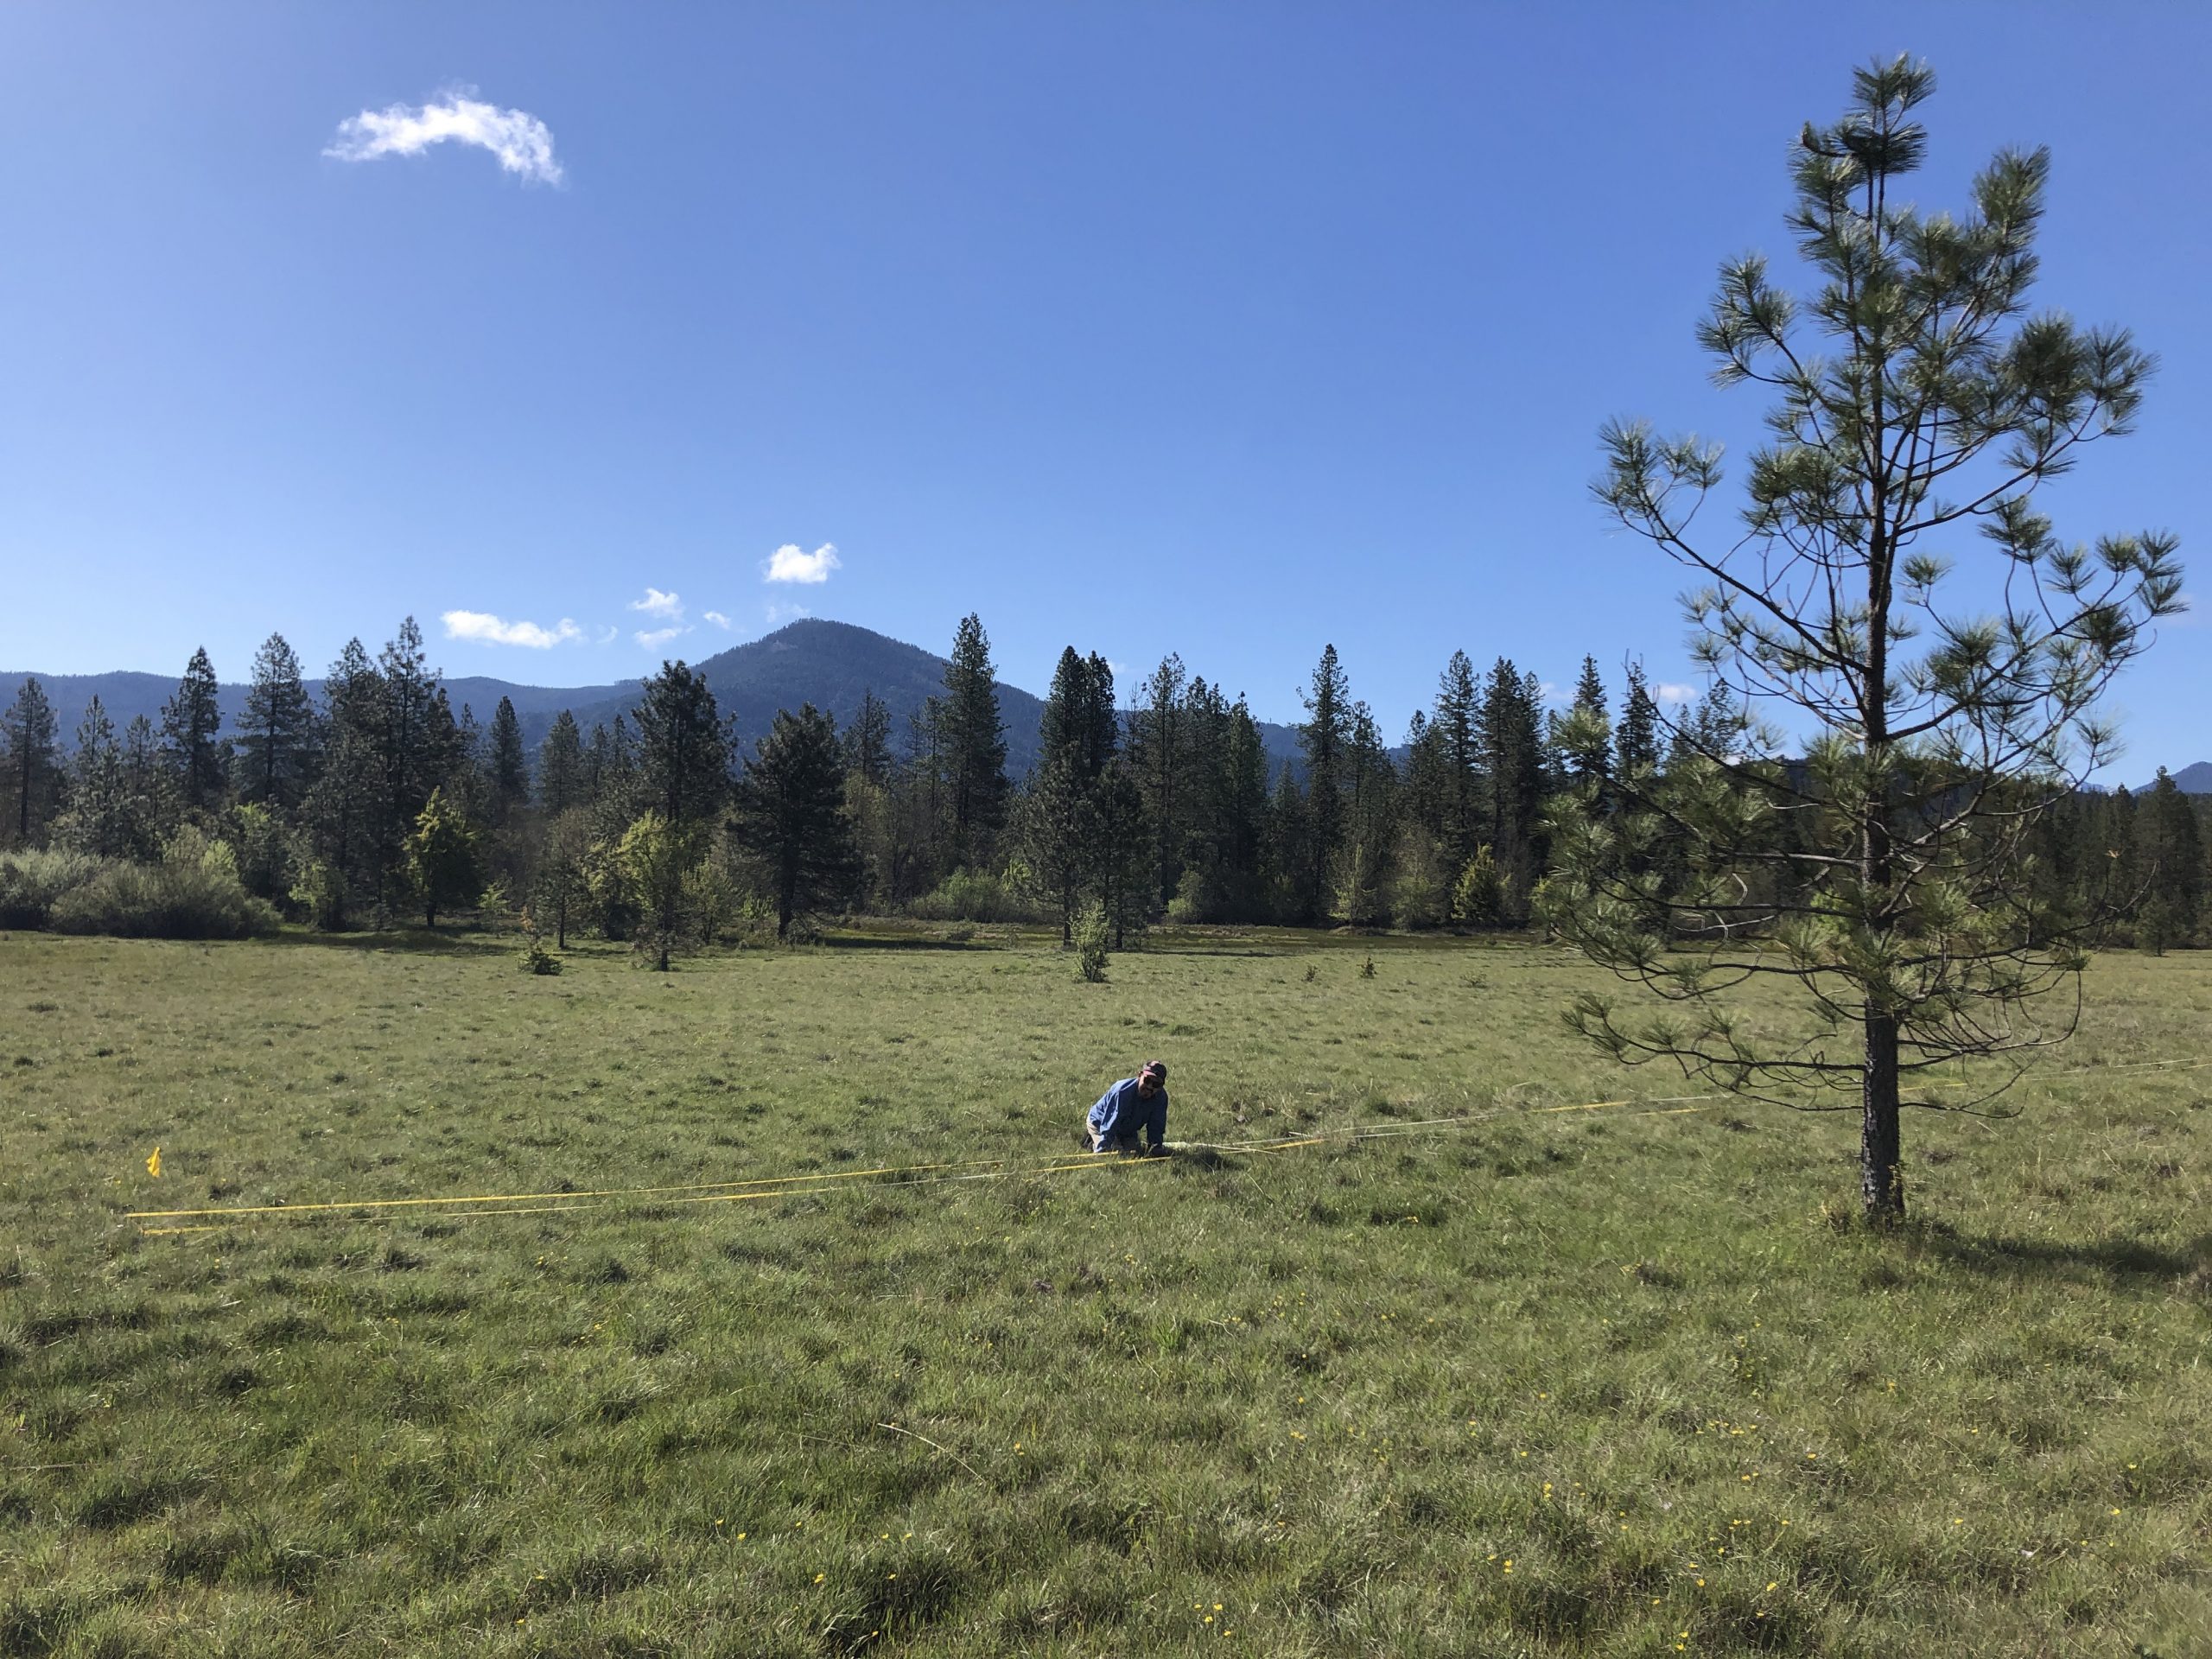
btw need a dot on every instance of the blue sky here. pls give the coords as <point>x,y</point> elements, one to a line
<point>1222,329</point>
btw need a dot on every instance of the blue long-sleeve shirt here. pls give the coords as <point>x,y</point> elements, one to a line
<point>1122,1111</point>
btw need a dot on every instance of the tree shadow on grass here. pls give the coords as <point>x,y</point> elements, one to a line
<point>412,941</point>
<point>2130,1263</point>
<point>838,942</point>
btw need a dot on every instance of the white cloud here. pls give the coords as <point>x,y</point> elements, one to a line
<point>784,613</point>
<point>1666,693</point>
<point>717,619</point>
<point>651,638</point>
<point>522,141</point>
<point>487,629</point>
<point>656,603</point>
<point>608,633</point>
<point>787,563</point>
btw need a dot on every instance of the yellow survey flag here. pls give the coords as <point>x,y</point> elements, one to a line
<point>153,1163</point>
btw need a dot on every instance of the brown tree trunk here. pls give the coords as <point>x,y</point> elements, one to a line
<point>1881,1181</point>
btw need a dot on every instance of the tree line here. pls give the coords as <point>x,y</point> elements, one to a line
<point>379,801</point>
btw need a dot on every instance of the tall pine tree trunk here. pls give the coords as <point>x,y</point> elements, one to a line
<point>1881,1182</point>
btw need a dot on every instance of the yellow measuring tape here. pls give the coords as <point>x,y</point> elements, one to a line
<point>784,1187</point>
<point>898,1175</point>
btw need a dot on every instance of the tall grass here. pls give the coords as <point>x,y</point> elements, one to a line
<point>1613,1382</point>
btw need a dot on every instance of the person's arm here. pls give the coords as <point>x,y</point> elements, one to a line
<point>1156,1120</point>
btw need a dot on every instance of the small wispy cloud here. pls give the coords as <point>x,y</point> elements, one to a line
<point>656,603</point>
<point>608,633</point>
<point>717,619</point>
<point>784,613</point>
<point>523,144</point>
<point>1666,693</point>
<point>487,629</point>
<point>787,563</point>
<point>651,638</point>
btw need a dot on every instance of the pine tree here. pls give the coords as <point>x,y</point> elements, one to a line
<point>1512,761</point>
<point>340,809</point>
<point>1287,858</point>
<point>973,740</point>
<point>276,735</point>
<point>410,731</point>
<point>1325,736</point>
<point>1370,823</point>
<point>32,766</point>
<point>1457,726</point>
<point>788,812</point>
<point>1056,818</point>
<point>1125,867</point>
<point>1581,742</point>
<point>562,780</point>
<point>1636,742</point>
<point>509,771</point>
<point>152,792</point>
<point>97,819</point>
<point>2169,863</point>
<point>683,754</point>
<point>191,722</point>
<point>1242,832</point>
<point>1156,760</point>
<point>867,741</point>
<point>1903,908</point>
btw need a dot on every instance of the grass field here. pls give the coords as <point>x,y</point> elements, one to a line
<point>1609,1382</point>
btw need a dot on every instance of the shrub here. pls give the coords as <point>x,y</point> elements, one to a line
<point>975,896</point>
<point>193,893</point>
<point>1092,934</point>
<point>31,882</point>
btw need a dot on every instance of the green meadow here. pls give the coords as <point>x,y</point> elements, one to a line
<point>1623,1379</point>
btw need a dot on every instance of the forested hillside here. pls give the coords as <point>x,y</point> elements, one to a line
<point>827,769</point>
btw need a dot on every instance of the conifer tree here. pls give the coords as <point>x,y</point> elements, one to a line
<point>1288,863</point>
<point>1156,758</point>
<point>1903,906</point>
<point>191,722</point>
<point>1512,757</point>
<point>509,771</point>
<point>1325,736</point>
<point>2169,863</point>
<point>563,780</point>
<point>341,807</point>
<point>1635,743</point>
<point>1582,745</point>
<point>1058,820</point>
<point>97,819</point>
<point>410,730</point>
<point>152,799</point>
<point>277,734</point>
<point>32,764</point>
<point>1457,725</point>
<point>867,741</point>
<point>683,754</point>
<point>972,743</point>
<point>788,812</point>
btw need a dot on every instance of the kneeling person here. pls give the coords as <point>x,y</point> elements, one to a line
<point>1132,1116</point>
